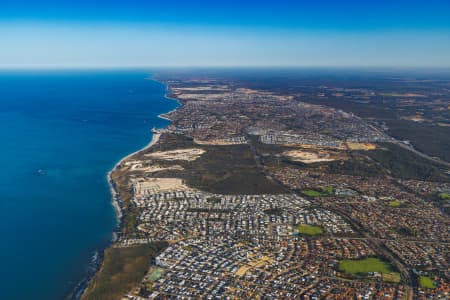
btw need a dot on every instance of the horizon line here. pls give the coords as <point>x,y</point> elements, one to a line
<point>99,67</point>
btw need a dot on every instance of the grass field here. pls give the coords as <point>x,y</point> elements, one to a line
<point>426,282</point>
<point>320,192</point>
<point>444,196</point>
<point>395,203</point>
<point>312,193</point>
<point>155,274</point>
<point>366,265</point>
<point>122,269</point>
<point>311,230</point>
<point>391,277</point>
<point>327,190</point>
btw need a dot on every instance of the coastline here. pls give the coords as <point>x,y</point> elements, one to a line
<point>97,260</point>
<point>116,202</point>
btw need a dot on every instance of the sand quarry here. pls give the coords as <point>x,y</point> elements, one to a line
<point>361,146</point>
<point>308,156</point>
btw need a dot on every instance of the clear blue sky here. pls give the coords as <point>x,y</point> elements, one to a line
<point>224,33</point>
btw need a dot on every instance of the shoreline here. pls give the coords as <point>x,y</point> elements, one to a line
<point>97,259</point>
<point>116,202</point>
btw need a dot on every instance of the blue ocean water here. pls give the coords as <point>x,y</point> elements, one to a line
<point>60,133</point>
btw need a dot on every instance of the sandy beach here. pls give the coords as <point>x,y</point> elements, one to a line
<point>116,202</point>
<point>115,196</point>
<point>155,138</point>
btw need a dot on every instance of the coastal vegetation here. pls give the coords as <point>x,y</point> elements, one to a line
<point>121,185</point>
<point>122,269</point>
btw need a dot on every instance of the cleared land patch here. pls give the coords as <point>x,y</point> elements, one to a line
<point>391,277</point>
<point>190,154</point>
<point>361,146</point>
<point>138,166</point>
<point>254,264</point>
<point>150,186</point>
<point>309,157</point>
<point>220,142</point>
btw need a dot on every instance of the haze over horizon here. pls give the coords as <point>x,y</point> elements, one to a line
<point>202,33</point>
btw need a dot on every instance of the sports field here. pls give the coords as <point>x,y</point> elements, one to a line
<point>366,265</point>
<point>426,282</point>
<point>444,196</point>
<point>319,192</point>
<point>395,203</point>
<point>309,229</point>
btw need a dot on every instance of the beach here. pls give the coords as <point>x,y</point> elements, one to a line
<point>116,203</point>
<point>115,199</point>
<point>155,138</point>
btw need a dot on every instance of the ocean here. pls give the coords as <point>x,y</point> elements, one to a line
<point>61,132</point>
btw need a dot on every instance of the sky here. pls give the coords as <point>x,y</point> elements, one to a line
<point>229,33</point>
